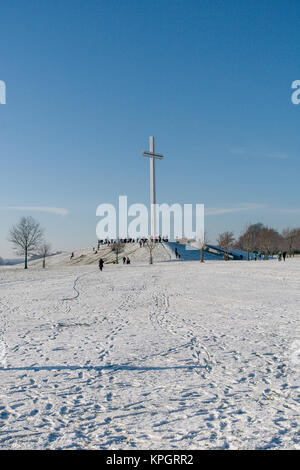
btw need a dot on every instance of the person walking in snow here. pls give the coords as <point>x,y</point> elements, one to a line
<point>101,262</point>
<point>284,255</point>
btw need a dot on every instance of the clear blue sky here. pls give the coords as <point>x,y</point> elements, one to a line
<point>89,81</point>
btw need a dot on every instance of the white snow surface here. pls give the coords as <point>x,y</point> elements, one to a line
<point>177,355</point>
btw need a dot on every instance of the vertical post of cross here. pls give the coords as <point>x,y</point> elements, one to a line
<point>2,92</point>
<point>152,188</point>
<point>153,156</point>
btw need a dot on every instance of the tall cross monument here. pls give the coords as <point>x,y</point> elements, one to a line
<point>153,156</point>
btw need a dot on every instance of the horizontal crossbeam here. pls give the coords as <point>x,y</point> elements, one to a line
<point>153,155</point>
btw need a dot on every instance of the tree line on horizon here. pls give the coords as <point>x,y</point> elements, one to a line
<point>259,238</point>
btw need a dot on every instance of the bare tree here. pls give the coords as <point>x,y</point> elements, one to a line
<point>292,239</point>
<point>226,241</point>
<point>247,241</point>
<point>26,237</point>
<point>151,245</point>
<point>117,248</point>
<point>44,251</point>
<point>201,244</point>
<point>269,240</point>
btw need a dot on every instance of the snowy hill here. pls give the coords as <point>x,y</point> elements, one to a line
<point>87,256</point>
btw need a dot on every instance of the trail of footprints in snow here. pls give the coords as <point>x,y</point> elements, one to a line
<point>163,317</point>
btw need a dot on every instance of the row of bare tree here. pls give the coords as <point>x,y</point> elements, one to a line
<point>260,238</point>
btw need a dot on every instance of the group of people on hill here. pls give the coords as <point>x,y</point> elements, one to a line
<point>258,256</point>
<point>141,241</point>
<point>126,260</point>
<point>111,241</point>
<point>280,255</point>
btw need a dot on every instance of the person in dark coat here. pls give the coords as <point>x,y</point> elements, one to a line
<point>101,263</point>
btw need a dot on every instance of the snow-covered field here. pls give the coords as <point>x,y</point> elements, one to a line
<point>177,355</point>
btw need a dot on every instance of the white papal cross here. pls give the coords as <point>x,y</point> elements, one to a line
<point>152,157</point>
